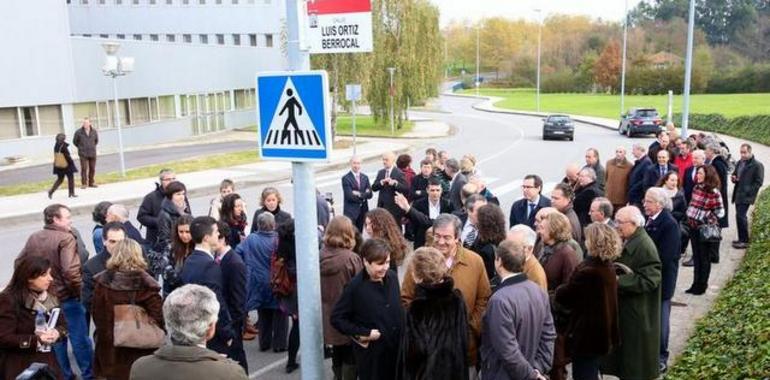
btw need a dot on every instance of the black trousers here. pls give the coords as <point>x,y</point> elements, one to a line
<point>293,341</point>
<point>237,352</point>
<point>87,170</point>
<point>702,252</point>
<point>742,222</point>
<point>272,329</point>
<point>60,179</point>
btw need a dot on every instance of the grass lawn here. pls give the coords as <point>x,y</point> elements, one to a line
<point>180,166</point>
<point>602,105</point>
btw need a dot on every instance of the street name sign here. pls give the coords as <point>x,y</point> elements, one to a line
<point>339,26</point>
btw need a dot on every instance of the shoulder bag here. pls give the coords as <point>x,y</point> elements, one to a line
<point>133,327</point>
<point>710,233</point>
<point>59,161</point>
<point>280,280</point>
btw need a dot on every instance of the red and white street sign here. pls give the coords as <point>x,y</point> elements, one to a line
<point>339,26</point>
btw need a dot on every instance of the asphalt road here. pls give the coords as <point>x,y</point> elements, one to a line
<point>507,146</point>
<point>107,163</point>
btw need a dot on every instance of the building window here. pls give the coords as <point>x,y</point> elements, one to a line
<point>202,2</point>
<point>118,2</point>
<point>236,39</point>
<point>121,36</point>
<point>9,123</point>
<point>102,2</point>
<point>269,40</point>
<point>153,37</point>
<point>185,2</point>
<point>49,119</point>
<point>84,2</point>
<point>170,37</point>
<point>187,38</point>
<point>136,2</point>
<point>203,38</point>
<point>28,121</point>
<point>169,2</point>
<point>86,35</point>
<point>253,39</point>
<point>221,39</point>
<point>235,2</point>
<point>153,2</point>
<point>104,35</point>
<point>138,37</point>
<point>218,1</point>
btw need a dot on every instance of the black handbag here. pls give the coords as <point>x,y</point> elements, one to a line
<point>710,233</point>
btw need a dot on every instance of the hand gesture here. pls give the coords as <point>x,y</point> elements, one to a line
<point>402,202</point>
<point>373,335</point>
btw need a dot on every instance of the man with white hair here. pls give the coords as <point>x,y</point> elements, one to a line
<point>119,213</point>
<point>601,211</point>
<point>663,229</point>
<point>523,234</point>
<point>636,176</point>
<point>190,314</point>
<point>638,302</point>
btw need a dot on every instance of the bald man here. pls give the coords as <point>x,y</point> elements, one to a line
<point>389,181</point>
<point>571,175</point>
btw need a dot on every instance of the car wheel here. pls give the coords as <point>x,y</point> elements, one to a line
<point>572,138</point>
<point>628,133</point>
<point>620,128</point>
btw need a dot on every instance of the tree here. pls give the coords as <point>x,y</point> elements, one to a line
<point>607,67</point>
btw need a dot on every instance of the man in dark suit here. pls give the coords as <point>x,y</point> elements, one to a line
<point>747,177</point>
<point>592,161</point>
<point>420,181</point>
<point>423,211</point>
<point>655,172</point>
<point>524,210</point>
<point>663,229</point>
<point>356,192</point>
<point>636,177</point>
<point>201,269</point>
<point>452,169</point>
<point>389,181</point>
<point>233,291</point>
<point>688,179</point>
<point>585,193</point>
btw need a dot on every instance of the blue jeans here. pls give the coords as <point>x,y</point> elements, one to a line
<point>665,329</point>
<point>77,329</point>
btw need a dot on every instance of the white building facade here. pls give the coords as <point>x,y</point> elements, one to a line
<point>195,63</point>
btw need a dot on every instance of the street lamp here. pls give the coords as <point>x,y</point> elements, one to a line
<point>688,70</point>
<point>478,47</point>
<point>115,66</point>
<point>623,63</point>
<point>539,40</point>
<point>392,91</point>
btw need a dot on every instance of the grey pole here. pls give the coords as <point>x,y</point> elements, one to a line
<point>539,40</point>
<point>623,63</point>
<point>306,230</point>
<point>669,116</point>
<point>478,46</point>
<point>688,70</point>
<point>117,122</point>
<point>391,70</point>
<point>354,127</point>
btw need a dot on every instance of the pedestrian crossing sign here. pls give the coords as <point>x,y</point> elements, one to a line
<point>293,116</point>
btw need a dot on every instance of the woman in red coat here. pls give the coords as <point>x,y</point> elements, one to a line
<point>21,301</point>
<point>125,281</point>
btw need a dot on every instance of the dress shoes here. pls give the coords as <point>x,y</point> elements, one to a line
<point>93,185</point>
<point>740,245</point>
<point>688,263</point>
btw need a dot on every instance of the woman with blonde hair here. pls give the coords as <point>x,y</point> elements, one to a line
<point>125,281</point>
<point>435,340</point>
<point>591,295</point>
<point>339,264</point>
<point>380,224</point>
<point>271,200</point>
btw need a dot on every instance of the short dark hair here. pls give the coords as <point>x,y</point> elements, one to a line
<point>566,190</point>
<point>426,161</point>
<point>100,212</point>
<point>403,161</point>
<point>375,251</point>
<point>52,211</point>
<point>226,183</point>
<point>173,188</point>
<point>511,255</point>
<point>113,226</point>
<point>433,181</point>
<point>224,230</point>
<point>535,178</point>
<point>200,227</point>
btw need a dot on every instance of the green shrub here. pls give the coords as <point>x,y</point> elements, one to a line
<point>733,340</point>
<point>754,128</point>
<point>750,78</point>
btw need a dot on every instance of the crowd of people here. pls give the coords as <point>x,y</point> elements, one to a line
<point>580,274</point>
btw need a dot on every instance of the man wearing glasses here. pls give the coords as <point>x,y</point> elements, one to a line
<point>467,271</point>
<point>150,208</point>
<point>524,210</point>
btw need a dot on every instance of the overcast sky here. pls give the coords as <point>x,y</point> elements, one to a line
<point>477,9</point>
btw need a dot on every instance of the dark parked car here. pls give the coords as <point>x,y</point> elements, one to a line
<point>558,126</point>
<point>640,121</point>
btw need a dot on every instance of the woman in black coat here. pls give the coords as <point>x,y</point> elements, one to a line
<point>69,171</point>
<point>435,340</point>
<point>370,312</point>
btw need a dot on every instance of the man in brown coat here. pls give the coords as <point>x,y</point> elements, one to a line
<point>467,270</point>
<point>85,139</point>
<point>618,170</point>
<point>185,356</point>
<point>57,243</point>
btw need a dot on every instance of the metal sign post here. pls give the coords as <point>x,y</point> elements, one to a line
<point>353,94</point>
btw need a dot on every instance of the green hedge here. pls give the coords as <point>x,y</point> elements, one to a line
<point>754,128</point>
<point>733,340</point>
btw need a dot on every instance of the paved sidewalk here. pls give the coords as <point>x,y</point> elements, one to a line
<point>20,208</point>
<point>686,309</point>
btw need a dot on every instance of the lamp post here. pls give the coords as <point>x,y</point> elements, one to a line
<point>539,41</point>
<point>688,71</point>
<point>115,66</point>
<point>478,59</point>
<point>392,91</point>
<point>623,63</point>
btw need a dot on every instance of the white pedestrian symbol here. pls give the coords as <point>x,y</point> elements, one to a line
<point>291,126</point>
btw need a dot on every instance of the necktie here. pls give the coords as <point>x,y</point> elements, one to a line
<point>662,171</point>
<point>387,173</point>
<point>471,238</point>
<point>217,258</point>
<point>358,180</point>
<point>531,209</point>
